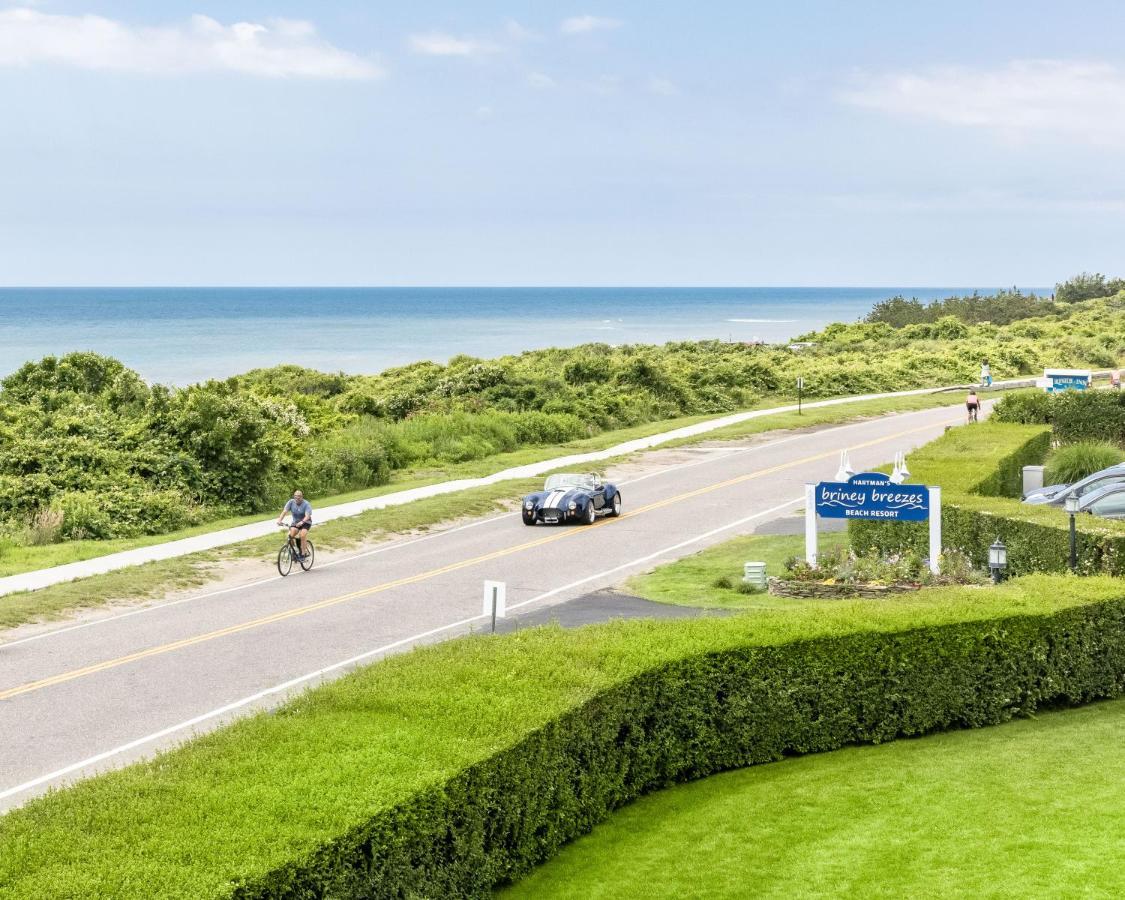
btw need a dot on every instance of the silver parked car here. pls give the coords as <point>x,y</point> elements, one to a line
<point>1056,494</point>
<point>1106,502</point>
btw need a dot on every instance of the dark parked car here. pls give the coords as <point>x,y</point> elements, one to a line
<point>1056,494</point>
<point>571,498</point>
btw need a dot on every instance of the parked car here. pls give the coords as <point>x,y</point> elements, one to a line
<point>1107,502</point>
<point>1056,494</point>
<point>571,498</point>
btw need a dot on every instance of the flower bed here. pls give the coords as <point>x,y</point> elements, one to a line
<point>822,590</point>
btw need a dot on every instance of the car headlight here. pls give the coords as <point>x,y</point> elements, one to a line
<point>528,504</point>
<point>573,506</point>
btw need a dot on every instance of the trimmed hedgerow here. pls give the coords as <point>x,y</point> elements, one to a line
<point>979,469</point>
<point>459,767</point>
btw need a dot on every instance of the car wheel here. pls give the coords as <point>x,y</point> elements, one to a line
<point>528,518</point>
<point>615,507</point>
<point>590,514</point>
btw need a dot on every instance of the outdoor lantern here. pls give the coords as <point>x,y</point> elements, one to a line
<point>997,560</point>
<point>1071,505</point>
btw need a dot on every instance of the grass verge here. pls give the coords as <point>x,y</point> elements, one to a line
<point>1033,808</point>
<point>693,580</point>
<point>447,770</point>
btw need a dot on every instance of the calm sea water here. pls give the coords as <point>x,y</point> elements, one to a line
<point>181,335</point>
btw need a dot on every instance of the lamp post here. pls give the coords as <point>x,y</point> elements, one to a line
<point>1071,504</point>
<point>997,560</point>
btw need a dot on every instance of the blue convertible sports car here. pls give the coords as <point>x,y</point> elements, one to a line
<point>571,498</point>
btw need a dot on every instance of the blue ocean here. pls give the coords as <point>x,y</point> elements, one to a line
<point>182,335</point>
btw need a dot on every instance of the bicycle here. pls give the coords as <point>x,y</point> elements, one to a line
<point>290,553</point>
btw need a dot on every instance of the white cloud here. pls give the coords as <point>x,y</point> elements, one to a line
<point>277,49</point>
<point>539,80</point>
<point>586,24</point>
<point>1071,99</point>
<point>438,43</point>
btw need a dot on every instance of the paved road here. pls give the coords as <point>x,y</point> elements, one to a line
<point>99,694</point>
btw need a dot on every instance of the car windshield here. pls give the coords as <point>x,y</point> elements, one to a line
<point>1100,482</point>
<point>1110,505</point>
<point>560,482</point>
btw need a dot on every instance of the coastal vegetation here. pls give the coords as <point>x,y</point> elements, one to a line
<point>458,767</point>
<point>1001,308</point>
<point>89,451</point>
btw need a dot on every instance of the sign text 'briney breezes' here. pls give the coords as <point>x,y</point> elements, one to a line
<point>871,495</point>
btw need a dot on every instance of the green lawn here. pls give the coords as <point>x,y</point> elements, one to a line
<point>691,581</point>
<point>1034,808</point>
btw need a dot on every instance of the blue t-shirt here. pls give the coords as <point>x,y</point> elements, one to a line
<point>299,510</point>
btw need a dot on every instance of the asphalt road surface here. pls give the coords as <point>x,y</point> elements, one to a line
<point>86,697</point>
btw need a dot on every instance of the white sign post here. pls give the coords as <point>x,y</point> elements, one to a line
<point>935,528</point>
<point>494,601</point>
<point>810,523</point>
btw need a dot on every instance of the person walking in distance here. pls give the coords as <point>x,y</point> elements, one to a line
<point>1115,379</point>
<point>985,374</point>
<point>972,404</point>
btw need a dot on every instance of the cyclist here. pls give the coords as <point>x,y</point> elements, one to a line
<point>972,404</point>
<point>301,512</point>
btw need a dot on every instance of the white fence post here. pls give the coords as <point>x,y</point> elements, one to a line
<point>935,529</point>
<point>810,523</point>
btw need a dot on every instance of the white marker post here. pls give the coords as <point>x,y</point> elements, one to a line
<point>935,529</point>
<point>494,601</point>
<point>810,523</point>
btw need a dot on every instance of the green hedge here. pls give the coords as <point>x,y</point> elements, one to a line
<point>980,471</point>
<point>1074,415</point>
<point>458,767</point>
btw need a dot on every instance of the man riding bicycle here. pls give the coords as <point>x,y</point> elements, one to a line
<point>300,522</point>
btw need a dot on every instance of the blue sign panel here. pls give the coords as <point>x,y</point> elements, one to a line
<point>1060,383</point>
<point>870,495</point>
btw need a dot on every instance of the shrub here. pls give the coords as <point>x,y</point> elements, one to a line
<point>1024,408</point>
<point>977,509</point>
<point>451,770</point>
<point>1074,462</point>
<point>1089,416</point>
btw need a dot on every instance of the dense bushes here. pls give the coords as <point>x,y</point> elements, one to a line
<point>452,769</point>
<point>1087,286</point>
<point>979,469</point>
<point>1073,415</point>
<point>86,444</point>
<point>1001,308</point>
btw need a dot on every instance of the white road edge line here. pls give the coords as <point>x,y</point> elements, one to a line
<point>410,543</point>
<point>351,661</point>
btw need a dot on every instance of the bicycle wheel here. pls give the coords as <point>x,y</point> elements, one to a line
<point>284,560</point>
<point>307,562</point>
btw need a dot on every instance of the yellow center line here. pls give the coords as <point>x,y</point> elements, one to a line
<point>424,576</point>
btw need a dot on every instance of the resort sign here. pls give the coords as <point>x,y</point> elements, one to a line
<point>873,496</point>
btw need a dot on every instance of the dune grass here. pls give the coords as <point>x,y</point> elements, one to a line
<point>1032,808</point>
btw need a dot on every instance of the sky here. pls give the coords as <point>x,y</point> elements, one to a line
<point>266,142</point>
